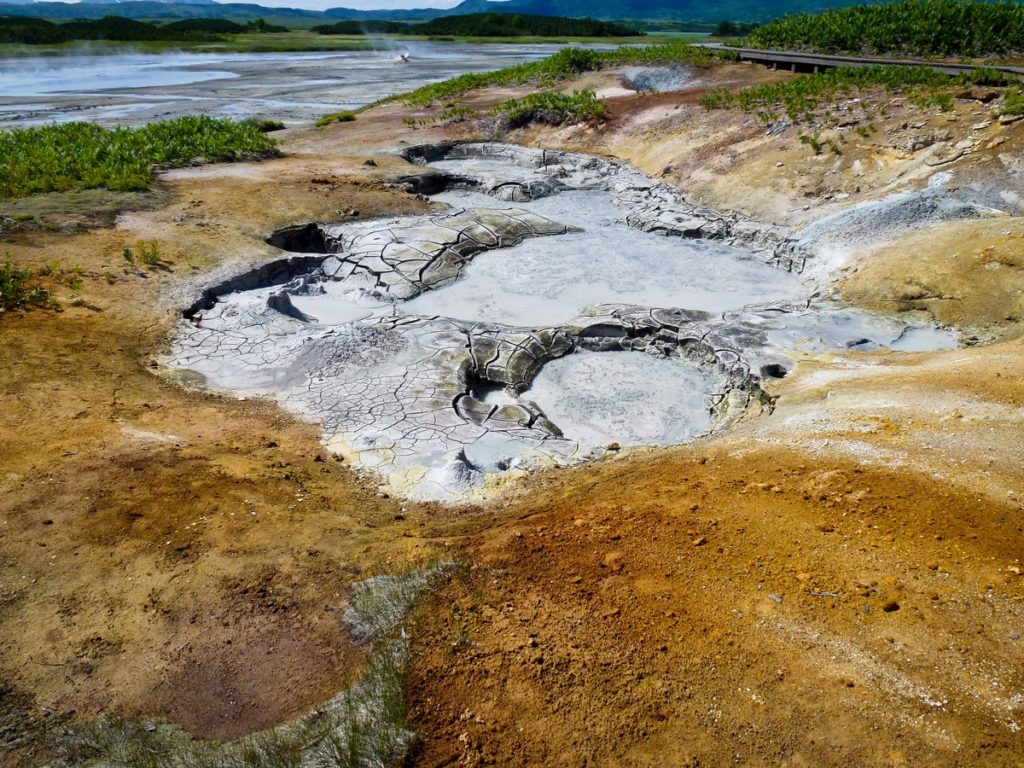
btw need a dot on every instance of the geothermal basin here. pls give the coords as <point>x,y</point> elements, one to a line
<point>561,308</point>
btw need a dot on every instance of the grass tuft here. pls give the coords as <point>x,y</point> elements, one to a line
<point>345,116</point>
<point>1014,102</point>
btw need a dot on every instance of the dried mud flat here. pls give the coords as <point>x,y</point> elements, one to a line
<point>836,583</point>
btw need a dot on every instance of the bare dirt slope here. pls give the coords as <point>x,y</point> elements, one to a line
<point>837,583</point>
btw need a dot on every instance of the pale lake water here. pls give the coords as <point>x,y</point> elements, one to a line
<point>294,87</point>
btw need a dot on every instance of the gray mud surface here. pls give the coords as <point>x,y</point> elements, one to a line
<point>563,307</point>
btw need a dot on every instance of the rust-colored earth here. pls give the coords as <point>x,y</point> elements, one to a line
<point>837,583</point>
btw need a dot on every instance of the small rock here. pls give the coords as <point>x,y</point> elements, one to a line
<point>890,606</point>
<point>613,561</point>
<point>700,541</point>
<point>371,162</point>
<point>612,447</point>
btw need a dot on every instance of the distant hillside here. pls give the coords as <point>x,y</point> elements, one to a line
<point>34,31</point>
<point>521,24</point>
<point>165,2</point>
<point>485,25</point>
<point>660,10</point>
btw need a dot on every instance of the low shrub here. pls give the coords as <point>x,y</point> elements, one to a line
<point>19,289</point>
<point>551,107</point>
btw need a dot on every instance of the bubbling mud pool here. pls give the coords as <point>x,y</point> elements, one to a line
<point>563,307</point>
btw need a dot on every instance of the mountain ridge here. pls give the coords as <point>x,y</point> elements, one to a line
<point>605,10</point>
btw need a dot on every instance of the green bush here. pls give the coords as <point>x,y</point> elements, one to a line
<point>1014,102</point>
<point>18,289</point>
<point>915,27</point>
<point>551,107</point>
<point>58,158</point>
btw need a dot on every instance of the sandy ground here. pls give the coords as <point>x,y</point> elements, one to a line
<point>837,583</point>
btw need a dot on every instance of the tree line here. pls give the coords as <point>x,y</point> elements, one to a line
<point>34,31</point>
<point>487,25</point>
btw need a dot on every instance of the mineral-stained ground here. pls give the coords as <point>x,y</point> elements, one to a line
<point>830,576</point>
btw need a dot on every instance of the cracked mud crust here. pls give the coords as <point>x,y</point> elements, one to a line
<point>345,339</point>
<point>838,584</point>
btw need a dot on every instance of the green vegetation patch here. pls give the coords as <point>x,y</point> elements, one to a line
<point>18,288</point>
<point>1014,102</point>
<point>345,116</point>
<point>913,27</point>
<point>551,107</point>
<point>800,97</point>
<point>57,158</point>
<point>567,63</point>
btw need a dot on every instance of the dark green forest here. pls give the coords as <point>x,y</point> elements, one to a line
<point>912,27</point>
<point>486,25</point>
<point>368,27</point>
<point>33,31</point>
<point>521,24</point>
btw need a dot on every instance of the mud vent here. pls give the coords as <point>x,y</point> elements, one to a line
<point>774,371</point>
<point>301,238</point>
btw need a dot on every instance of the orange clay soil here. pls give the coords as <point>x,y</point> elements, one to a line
<point>698,608</point>
<point>836,583</point>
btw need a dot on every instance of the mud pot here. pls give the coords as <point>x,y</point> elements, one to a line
<point>562,308</point>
